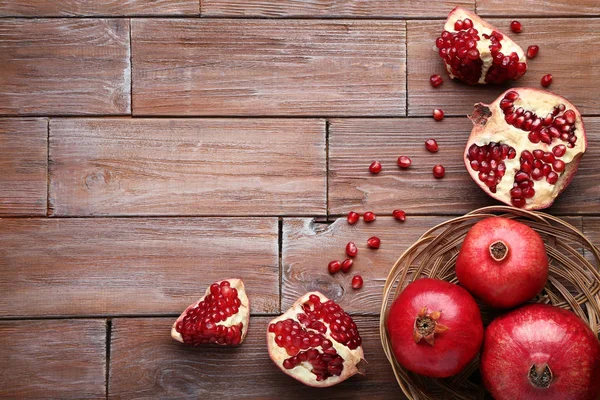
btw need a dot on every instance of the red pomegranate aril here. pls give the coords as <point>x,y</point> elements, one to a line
<point>558,165</point>
<point>546,80</point>
<point>351,249</point>
<point>375,167</point>
<point>353,217</point>
<point>369,217</point>
<point>334,266</point>
<point>347,264</point>
<point>357,282</point>
<point>439,171</point>
<point>436,80</point>
<point>552,178</point>
<point>431,145</point>
<point>532,51</point>
<point>399,215</point>
<point>374,242</point>
<point>404,162</point>
<point>438,114</point>
<point>516,26</point>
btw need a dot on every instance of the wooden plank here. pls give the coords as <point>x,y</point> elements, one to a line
<point>23,162</point>
<point>71,8</point>
<point>187,167</point>
<point>576,77</point>
<point>112,266</point>
<point>268,67</point>
<point>53,359</point>
<point>152,365</point>
<point>308,247</point>
<point>535,8</point>
<point>64,66</point>
<point>330,8</point>
<point>355,143</point>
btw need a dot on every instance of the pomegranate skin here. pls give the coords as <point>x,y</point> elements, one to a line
<point>506,283</point>
<point>541,334</point>
<point>453,348</point>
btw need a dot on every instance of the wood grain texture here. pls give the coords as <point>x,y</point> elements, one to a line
<point>153,365</point>
<point>23,162</point>
<point>537,8</point>
<point>355,143</point>
<point>70,8</point>
<point>111,266</point>
<point>53,359</point>
<point>187,167</point>
<point>567,50</point>
<point>330,8</point>
<point>268,67</point>
<point>308,247</point>
<point>64,66</point>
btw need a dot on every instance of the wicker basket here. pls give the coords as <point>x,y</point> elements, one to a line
<point>574,284</point>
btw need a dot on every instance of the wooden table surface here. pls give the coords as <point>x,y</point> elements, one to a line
<point>151,147</point>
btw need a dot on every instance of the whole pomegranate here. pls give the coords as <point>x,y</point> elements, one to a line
<point>541,352</point>
<point>435,328</point>
<point>316,342</point>
<point>503,262</point>
<point>220,317</point>
<point>525,147</point>
<point>476,52</point>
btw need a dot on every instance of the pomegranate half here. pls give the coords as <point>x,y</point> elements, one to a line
<point>541,352</point>
<point>316,342</point>
<point>476,52</point>
<point>525,147</point>
<point>220,317</point>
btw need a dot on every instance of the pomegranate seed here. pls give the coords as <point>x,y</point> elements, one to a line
<point>439,171</point>
<point>374,242</point>
<point>369,216</point>
<point>516,26</point>
<point>552,178</point>
<point>438,114</point>
<point>353,217</point>
<point>431,145</point>
<point>404,162</point>
<point>558,165</point>
<point>351,249</point>
<point>399,215</point>
<point>357,282</point>
<point>436,80</point>
<point>375,167</point>
<point>347,264</point>
<point>546,80</point>
<point>532,51</point>
<point>334,266</point>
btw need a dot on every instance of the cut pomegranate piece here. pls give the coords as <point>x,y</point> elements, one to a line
<point>515,144</point>
<point>357,282</point>
<point>404,162</point>
<point>475,52</point>
<point>516,27</point>
<point>399,215</point>
<point>353,217</point>
<point>316,342</point>
<point>375,167</point>
<point>532,51</point>
<point>546,80</point>
<point>220,317</point>
<point>436,80</point>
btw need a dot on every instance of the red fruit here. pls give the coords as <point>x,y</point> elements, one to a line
<point>516,26</point>
<point>476,52</point>
<point>503,262</point>
<point>431,145</point>
<point>399,215</point>
<point>375,167</point>
<point>508,136</point>
<point>220,317</point>
<point>334,266</point>
<point>353,217</point>
<point>374,242</point>
<point>541,352</point>
<point>436,80</point>
<point>546,80</point>
<point>439,171</point>
<point>347,264</point>
<point>404,162</point>
<point>435,328</point>
<point>316,342</point>
<point>438,114</point>
<point>357,282</point>
<point>532,51</point>
<point>369,217</point>
<point>351,249</point>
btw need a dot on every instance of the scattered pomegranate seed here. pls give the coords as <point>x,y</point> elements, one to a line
<point>347,264</point>
<point>516,26</point>
<point>374,242</point>
<point>334,266</point>
<point>369,216</point>
<point>431,145</point>
<point>353,217</point>
<point>439,171</point>
<point>404,162</point>
<point>357,282</point>
<point>436,80</point>
<point>546,80</point>
<point>375,167</point>
<point>532,51</point>
<point>399,215</point>
<point>351,249</point>
<point>438,114</point>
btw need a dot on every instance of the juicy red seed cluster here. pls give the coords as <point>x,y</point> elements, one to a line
<point>459,51</point>
<point>504,66</point>
<point>199,325</point>
<point>488,161</point>
<point>559,124</point>
<point>535,166</point>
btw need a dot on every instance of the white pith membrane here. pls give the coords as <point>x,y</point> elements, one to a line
<point>483,44</point>
<point>242,316</point>
<point>496,129</point>
<point>353,358</point>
